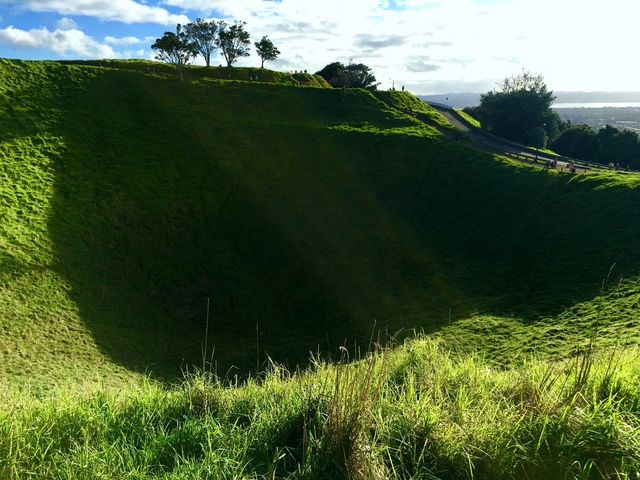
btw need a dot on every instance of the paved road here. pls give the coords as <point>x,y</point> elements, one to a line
<point>494,144</point>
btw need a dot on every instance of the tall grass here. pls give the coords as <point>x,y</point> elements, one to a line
<point>417,412</point>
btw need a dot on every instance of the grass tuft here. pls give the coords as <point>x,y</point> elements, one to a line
<point>413,412</point>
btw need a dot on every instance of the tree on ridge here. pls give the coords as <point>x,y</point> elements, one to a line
<point>176,49</point>
<point>521,104</point>
<point>354,75</point>
<point>578,141</point>
<point>233,41</point>
<point>266,50</point>
<point>361,76</point>
<point>203,35</point>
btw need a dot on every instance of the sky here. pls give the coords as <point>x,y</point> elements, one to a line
<point>427,46</point>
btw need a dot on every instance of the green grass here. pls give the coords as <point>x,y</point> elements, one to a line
<point>114,232</point>
<point>308,217</point>
<point>412,105</point>
<point>476,123</point>
<point>192,72</point>
<point>473,121</point>
<point>414,413</point>
<point>547,151</point>
<point>304,214</point>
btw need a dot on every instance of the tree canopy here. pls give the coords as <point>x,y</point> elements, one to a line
<point>521,104</point>
<point>607,146</point>
<point>354,75</point>
<point>619,147</point>
<point>233,41</point>
<point>203,35</point>
<point>538,138</point>
<point>526,80</point>
<point>176,49</point>
<point>266,50</point>
<point>578,141</point>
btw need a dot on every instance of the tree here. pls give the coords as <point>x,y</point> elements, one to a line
<point>354,75</point>
<point>361,76</point>
<point>578,141</point>
<point>609,145</point>
<point>176,49</point>
<point>526,80</point>
<point>616,146</point>
<point>538,138</point>
<point>266,50</point>
<point>233,41</point>
<point>521,104</point>
<point>336,74</point>
<point>203,35</point>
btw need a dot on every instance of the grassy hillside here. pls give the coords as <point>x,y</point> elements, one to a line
<point>407,103</point>
<point>304,214</point>
<point>221,73</point>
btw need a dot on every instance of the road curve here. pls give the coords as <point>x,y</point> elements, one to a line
<point>501,146</point>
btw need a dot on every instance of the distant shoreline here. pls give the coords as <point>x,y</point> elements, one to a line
<point>596,105</point>
<point>563,99</point>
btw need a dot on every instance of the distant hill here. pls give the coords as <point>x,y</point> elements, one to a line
<point>461,100</point>
<point>456,100</point>
<point>597,118</point>
<point>597,97</point>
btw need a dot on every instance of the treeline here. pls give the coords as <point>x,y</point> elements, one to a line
<point>608,146</point>
<point>520,110</point>
<point>353,75</point>
<point>208,38</point>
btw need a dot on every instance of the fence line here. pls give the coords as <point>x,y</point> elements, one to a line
<point>532,151</point>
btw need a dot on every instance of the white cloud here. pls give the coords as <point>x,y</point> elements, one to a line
<point>422,65</point>
<point>127,11</point>
<point>66,23</point>
<point>141,53</point>
<point>125,40</point>
<point>62,42</point>
<point>240,9</point>
<point>313,34</point>
<point>576,45</point>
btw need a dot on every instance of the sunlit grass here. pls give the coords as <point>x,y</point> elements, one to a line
<point>304,214</point>
<point>415,412</point>
<point>130,201</point>
<point>472,120</point>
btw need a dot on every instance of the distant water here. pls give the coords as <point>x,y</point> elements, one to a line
<point>598,105</point>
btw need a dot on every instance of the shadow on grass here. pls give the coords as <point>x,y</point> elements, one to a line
<point>170,194</point>
<point>275,224</point>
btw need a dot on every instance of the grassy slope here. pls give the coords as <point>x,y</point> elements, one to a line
<point>220,73</point>
<point>476,123</point>
<point>407,103</point>
<point>128,199</point>
<point>469,118</point>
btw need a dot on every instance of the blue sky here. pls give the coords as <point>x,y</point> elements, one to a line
<point>431,46</point>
